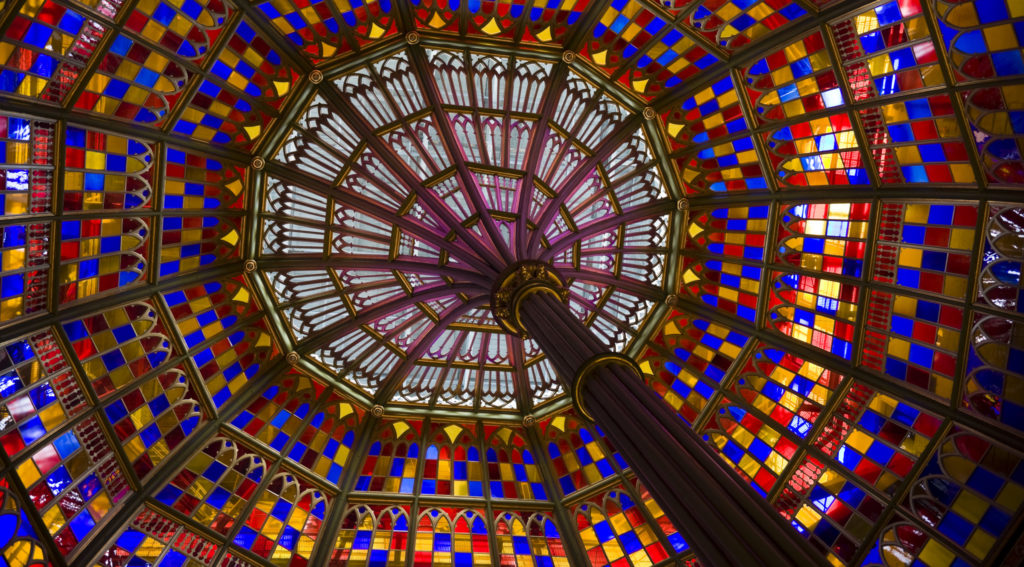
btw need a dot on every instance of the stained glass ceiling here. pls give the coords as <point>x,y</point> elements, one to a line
<point>422,188</point>
<point>192,191</point>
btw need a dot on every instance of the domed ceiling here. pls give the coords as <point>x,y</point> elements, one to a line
<point>429,173</point>
<point>248,252</point>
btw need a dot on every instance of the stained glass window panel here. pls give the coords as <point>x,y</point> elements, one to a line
<point>215,485</point>
<point>38,393</point>
<point>390,464</point>
<point>913,340</point>
<point>825,237</point>
<point>372,535</point>
<point>687,363</point>
<point>926,246</point>
<point>995,370</point>
<point>119,345</point>
<point>74,481</point>
<point>999,283</point>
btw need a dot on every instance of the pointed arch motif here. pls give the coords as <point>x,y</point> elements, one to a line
<point>450,536</point>
<point>451,462</point>
<point>19,543</point>
<point>525,540</point>
<point>284,522</point>
<point>372,535</point>
<point>512,470</point>
<point>119,345</point>
<point>993,380</point>
<point>390,464</point>
<point>152,420</point>
<point>215,485</point>
<point>579,458</point>
<point>613,530</point>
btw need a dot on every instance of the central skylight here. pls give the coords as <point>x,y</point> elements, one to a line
<point>411,182</point>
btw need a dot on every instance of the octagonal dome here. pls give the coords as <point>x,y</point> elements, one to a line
<point>411,180</point>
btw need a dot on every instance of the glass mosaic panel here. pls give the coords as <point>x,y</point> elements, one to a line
<point>737,232</point>
<point>325,442</point>
<point>25,258</point>
<point>731,166</point>
<point>511,468</point>
<point>372,535</point>
<point>390,464</point>
<point>196,182</point>
<point>151,539</point>
<point>227,364</point>
<point>284,523</point>
<point>615,532</point>
<point>578,457</point>
<point>791,391</point>
<point>752,446</point>
<point>926,246</point>
<point>825,237</point>
<point>816,311</point>
<point>215,485</point>
<point>242,93</point>
<point>727,286</point>
<point>794,80</point>
<point>451,463</point>
<point>442,540</point>
<point>669,56</point>
<point>133,82</point>
<point>913,340</point>
<point>119,345</point>
<point>26,174</point>
<point>186,30</point>
<point>105,171</point>
<point>100,255</point>
<point>818,152</point>
<point>74,481</point>
<point>528,540</point>
<point>712,113</point>
<point>735,23</point>
<point>888,50</point>
<point>45,49</point>
<point>687,361</point>
<point>917,141</point>
<point>324,29</point>
<point>279,413</point>
<point>153,419</point>
<point>877,437</point>
<point>660,519</point>
<point>38,392</point>
<point>829,507</point>
<point>190,243</point>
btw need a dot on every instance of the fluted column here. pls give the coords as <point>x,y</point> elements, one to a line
<point>721,517</point>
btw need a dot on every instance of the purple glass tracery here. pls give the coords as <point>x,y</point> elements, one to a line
<point>412,182</point>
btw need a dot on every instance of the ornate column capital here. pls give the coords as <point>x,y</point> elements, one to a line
<point>590,368</point>
<point>517,282</point>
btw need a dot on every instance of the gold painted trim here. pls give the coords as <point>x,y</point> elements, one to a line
<point>587,370</point>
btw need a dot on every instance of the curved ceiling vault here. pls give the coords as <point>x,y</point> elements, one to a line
<point>248,251</point>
